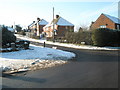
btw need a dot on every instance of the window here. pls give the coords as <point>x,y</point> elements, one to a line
<point>118,27</point>
<point>66,27</point>
<point>103,26</point>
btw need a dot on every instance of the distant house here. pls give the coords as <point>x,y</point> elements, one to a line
<point>61,26</point>
<point>36,27</point>
<point>106,21</point>
<point>31,26</point>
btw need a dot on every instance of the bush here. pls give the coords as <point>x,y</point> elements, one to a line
<point>7,36</point>
<point>18,28</point>
<point>78,37</point>
<point>22,33</point>
<point>105,37</point>
<point>70,37</point>
<point>35,37</point>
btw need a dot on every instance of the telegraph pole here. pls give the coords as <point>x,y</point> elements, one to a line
<point>53,27</point>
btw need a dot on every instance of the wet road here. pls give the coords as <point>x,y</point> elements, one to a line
<point>90,69</point>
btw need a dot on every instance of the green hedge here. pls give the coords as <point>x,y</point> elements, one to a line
<point>105,37</point>
<point>78,37</point>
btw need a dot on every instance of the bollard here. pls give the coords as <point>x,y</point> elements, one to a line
<point>13,46</point>
<point>44,44</point>
<point>26,45</point>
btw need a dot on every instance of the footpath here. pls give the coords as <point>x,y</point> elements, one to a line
<point>68,45</point>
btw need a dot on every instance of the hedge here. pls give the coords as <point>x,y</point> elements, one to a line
<point>105,37</point>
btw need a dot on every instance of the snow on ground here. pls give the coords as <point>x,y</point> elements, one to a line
<point>33,58</point>
<point>69,45</point>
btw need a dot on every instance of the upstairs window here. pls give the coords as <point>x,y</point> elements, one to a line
<point>103,26</point>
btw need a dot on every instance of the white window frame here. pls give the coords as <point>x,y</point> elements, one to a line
<point>103,26</point>
<point>118,27</point>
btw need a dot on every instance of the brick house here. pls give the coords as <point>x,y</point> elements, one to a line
<point>61,26</point>
<point>32,26</point>
<point>106,21</point>
<point>36,27</point>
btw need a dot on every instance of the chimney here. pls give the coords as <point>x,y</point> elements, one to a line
<point>92,22</point>
<point>57,16</point>
<point>38,19</point>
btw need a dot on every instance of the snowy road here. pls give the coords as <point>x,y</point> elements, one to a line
<point>90,69</point>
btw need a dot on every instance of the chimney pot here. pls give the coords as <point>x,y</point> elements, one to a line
<point>92,22</point>
<point>57,16</point>
<point>38,19</point>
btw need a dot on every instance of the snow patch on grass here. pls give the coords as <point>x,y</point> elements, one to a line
<point>35,57</point>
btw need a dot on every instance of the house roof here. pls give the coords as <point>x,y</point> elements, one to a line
<point>62,22</point>
<point>59,21</point>
<point>32,24</point>
<point>114,19</point>
<point>43,22</point>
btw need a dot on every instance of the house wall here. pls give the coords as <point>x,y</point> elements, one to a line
<point>103,20</point>
<point>63,29</point>
<point>48,31</point>
<point>39,29</point>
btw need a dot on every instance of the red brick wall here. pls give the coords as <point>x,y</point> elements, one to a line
<point>41,28</point>
<point>103,20</point>
<point>62,30</point>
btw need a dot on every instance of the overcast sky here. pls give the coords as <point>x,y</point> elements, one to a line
<point>80,13</point>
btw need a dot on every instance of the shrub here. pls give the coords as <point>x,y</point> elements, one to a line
<point>78,37</point>
<point>18,28</point>
<point>35,37</point>
<point>105,37</point>
<point>22,33</point>
<point>7,36</point>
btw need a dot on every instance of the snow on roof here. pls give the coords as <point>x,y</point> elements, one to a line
<point>10,29</point>
<point>32,24</point>
<point>59,21</point>
<point>114,19</point>
<point>63,22</point>
<point>43,22</point>
<point>49,24</point>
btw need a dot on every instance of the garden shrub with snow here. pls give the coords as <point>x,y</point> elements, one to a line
<point>7,36</point>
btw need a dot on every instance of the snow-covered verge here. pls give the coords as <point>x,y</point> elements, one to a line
<point>34,58</point>
<point>69,45</point>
